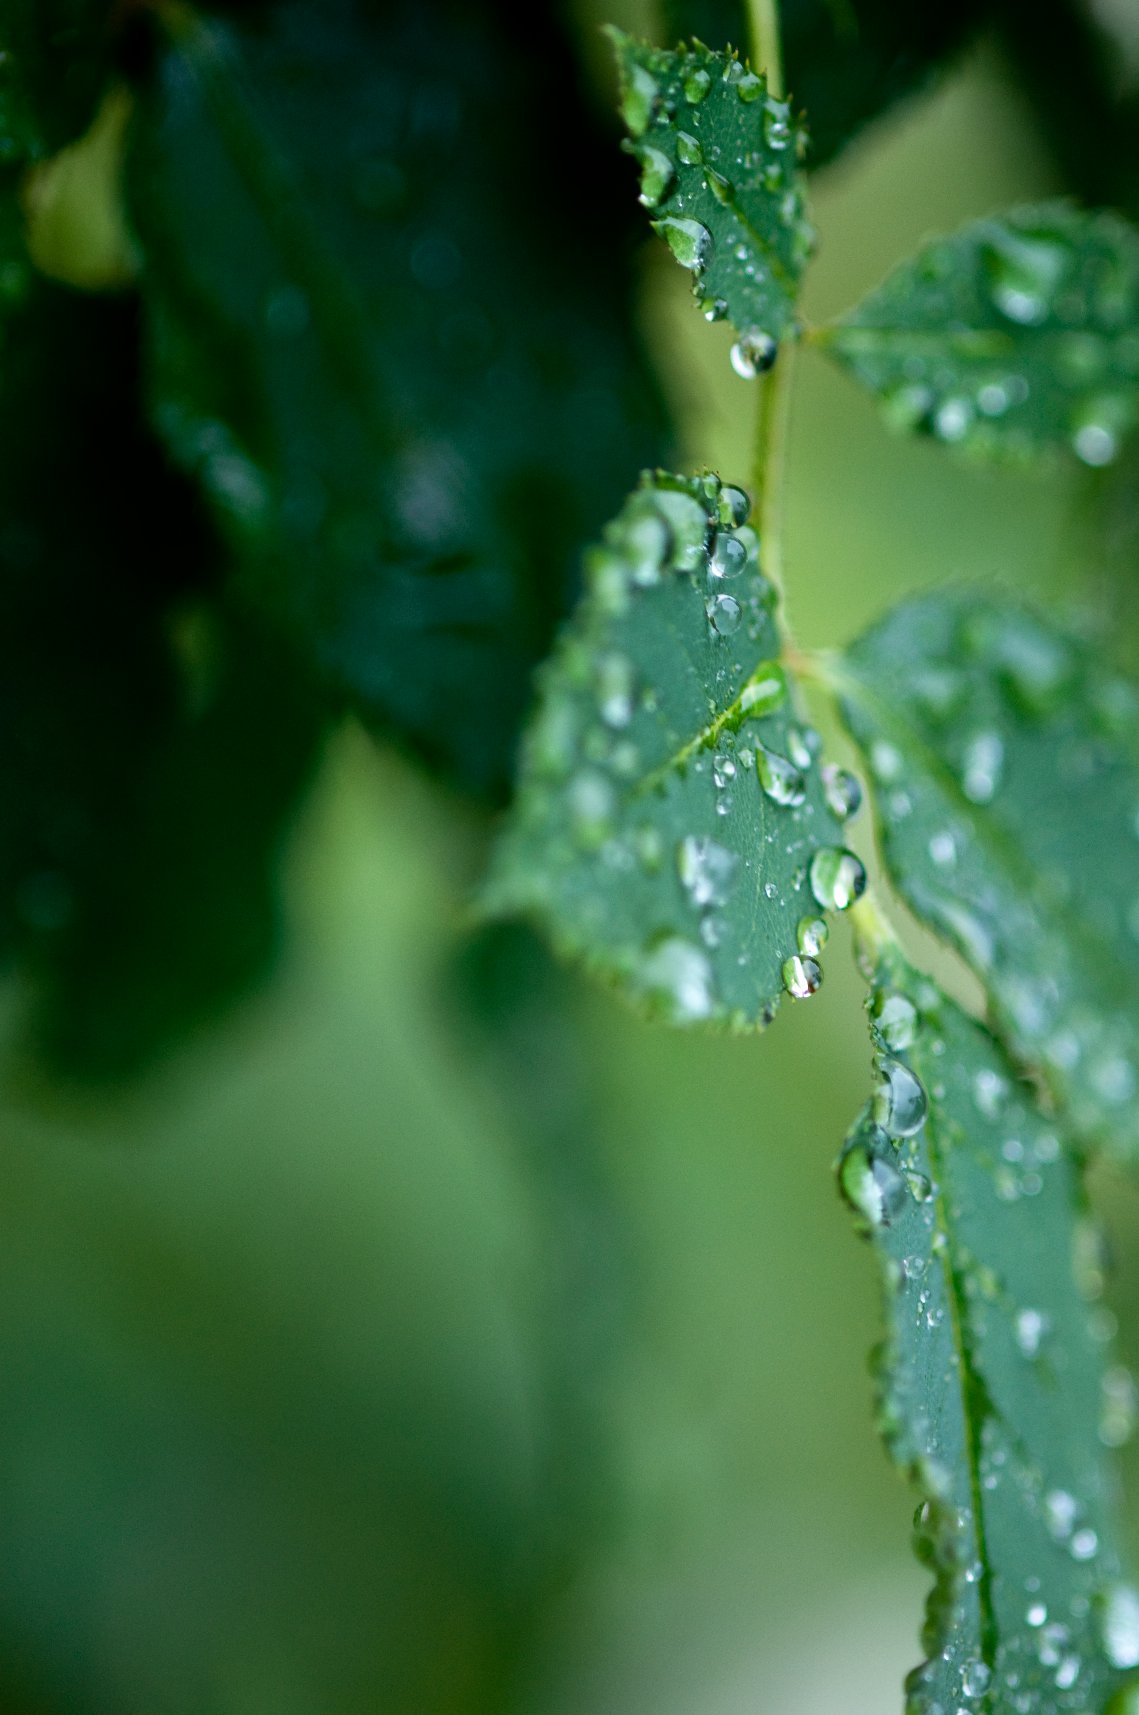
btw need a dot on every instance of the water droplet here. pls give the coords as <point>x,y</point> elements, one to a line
<point>679,974</point>
<point>734,506</point>
<point>764,692</point>
<point>1060,1512</point>
<point>715,309</point>
<point>754,352</point>
<point>1024,274</point>
<point>729,556</point>
<point>952,419</point>
<point>981,773</point>
<point>802,976</point>
<point>1084,1544</point>
<point>690,242</point>
<point>895,1018</point>
<point>811,935</point>
<point>696,86</point>
<point>873,1185</point>
<point>1095,443</point>
<point>591,807</point>
<point>1119,1625</point>
<point>975,1677</point>
<point>649,848</point>
<point>687,522</point>
<point>723,769</point>
<point>777,124</point>
<point>657,175</point>
<point>647,543</point>
<point>639,98</point>
<point>750,87</point>
<point>990,1092</point>
<point>688,149</point>
<point>841,790</point>
<point>780,779</point>
<point>724,614</point>
<point>1068,1672</point>
<point>800,746</point>
<point>615,685</point>
<point>885,762</point>
<point>837,878</point>
<point>705,869</point>
<point>1037,1614</point>
<point>900,1103</point>
<point>1031,1326</point>
<point>1119,1406</point>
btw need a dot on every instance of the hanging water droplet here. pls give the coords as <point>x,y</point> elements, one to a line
<point>895,1019</point>
<point>1119,1625</point>
<point>715,309</point>
<point>900,1102</point>
<point>1031,1326</point>
<point>705,869</point>
<point>688,149</point>
<point>841,790</point>
<point>690,242</point>
<point>780,779</point>
<point>729,555</point>
<point>754,352</point>
<point>678,974</point>
<point>765,691</point>
<point>811,935</point>
<point>802,976</point>
<point>837,878</point>
<point>981,771</point>
<point>696,86</point>
<point>734,506</point>
<point>657,175</point>
<point>873,1185</point>
<point>724,614</point>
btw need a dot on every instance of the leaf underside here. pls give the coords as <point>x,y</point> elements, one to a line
<point>409,403</point>
<point>720,173</point>
<point>1008,802</point>
<point>642,838</point>
<point>1015,337</point>
<point>994,1396</point>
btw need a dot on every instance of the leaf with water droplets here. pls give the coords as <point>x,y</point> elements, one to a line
<point>672,826</point>
<point>720,173</point>
<point>396,367</point>
<point>1006,786</point>
<point>992,1379</point>
<point>1015,337</point>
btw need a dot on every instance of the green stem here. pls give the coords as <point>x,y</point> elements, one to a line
<point>766,55</point>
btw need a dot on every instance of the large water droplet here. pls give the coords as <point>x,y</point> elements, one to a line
<point>754,352</point>
<point>679,974</point>
<point>724,615</point>
<point>900,1103</point>
<point>696,86</point>
<point>837,878</point>
<point>802,976</point>
<point>734,506</point>
<point>873,1185</point>
<point>729,555</point>
<point>690,241</point>
<point>705,869</point>
<point>781,780</point>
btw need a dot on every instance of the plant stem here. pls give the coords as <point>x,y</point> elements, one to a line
<point>763,17</point>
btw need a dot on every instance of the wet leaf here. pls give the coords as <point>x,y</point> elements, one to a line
<point>845,64</point>
<point>398,369</point>
<point>995,1396</point>
<point>1015,337</point>
<point>152,745</point>
<point>672,827</point>
<point>720,175</point>
<point>55,58</point>
<point>1007,793</point>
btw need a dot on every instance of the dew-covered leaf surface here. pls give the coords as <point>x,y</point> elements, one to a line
<point>846,64</point>
<point>673,826</point>
<point>1014,337</point>
<point>720,176</point>
<point>996,1394</point>
<point>55,57</point>
<point>402,372</point>
<point>1006,775</point>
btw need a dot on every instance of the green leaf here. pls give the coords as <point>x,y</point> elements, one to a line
<point>847,62</point>
<point>1017,336</point>
<point>55,59</point>
<point>672,827</point>
<point>395,364</point>
<point>994,1396</point>
<point>1007,793</point>
<point>720,172</point>
<point>151,746</point>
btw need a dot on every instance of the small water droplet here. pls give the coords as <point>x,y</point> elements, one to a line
<point>591,807</point>
<point>885,762</point>
<point>981,772</point>
<point>696,86</point>
<point>715,309</point>
<point>1084,1544</point>
<point>734,506</point>
<point>729,555</point>
<point>802,976</point>
<point>842,791</point>
<point>777,124</point>
<point>781,780</point>
<point>895,1018</point>
<point>811,935</point>
<point>975,1677</point>
<point>1037,1614</point>
<point>837,878</point>
<point>750,87</point>
<point>639,98</point>
<point>900,1103</point>
<point>990,1092</point>
<point>1060,1512</point>
<point>690,241</point>
<point>765,691</point>
<point>657,175</point>
<point>873,1185</point>
<point>1095,443</point>
<point>953,419</point>
<point>688,149</point>
<point>615,687</point>
<point>1031,1326</point>
<point>705,869</point>
<point>1024,273</point>
<point>679,974</point>
<point>753,353</point>
<point>724,614</point>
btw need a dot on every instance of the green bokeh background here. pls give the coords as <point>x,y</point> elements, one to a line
<point>328,1386</point>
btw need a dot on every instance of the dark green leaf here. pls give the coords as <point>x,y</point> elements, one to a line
<point>55,58</point>
<point>672,827</point>
<point>1007,779</point>
<point>1017,336</point>
<point>846,62</point>
<point>994,1395</point>
<point>391,356</point>
<point>150,747</point>
<point>719,171</point>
